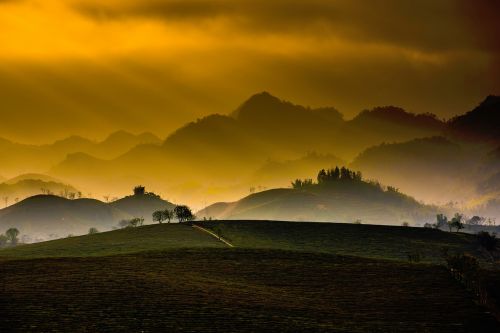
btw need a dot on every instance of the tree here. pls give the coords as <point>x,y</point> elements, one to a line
<point>12,234</point>
<point>442,221</point>
<point>168,215</point>
<point>183,213</point>
<point>136,222</point>
<point>139,190</point>
<point>93,231</point>
<point>456,222</point>
<point>158,216</point>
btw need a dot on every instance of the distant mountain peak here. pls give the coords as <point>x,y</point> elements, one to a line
<point>260,101</point>
<point>482,123</point>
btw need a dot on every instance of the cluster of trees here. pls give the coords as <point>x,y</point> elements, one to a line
<point>332,175</point>
<point>328,176</point>
<point>131,223</point>
<point>458,222</point>
<point>10,238</point>
<point>182,213</point>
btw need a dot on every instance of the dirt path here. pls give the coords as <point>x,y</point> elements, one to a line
<point>213,235</point>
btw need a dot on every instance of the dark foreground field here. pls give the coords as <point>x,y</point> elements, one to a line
<point>233,290</point>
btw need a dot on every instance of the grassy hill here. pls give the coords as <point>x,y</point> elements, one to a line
<point>234,290</point>
<point>370,241</point>
<point>281,277</point>
<point>129,240</point>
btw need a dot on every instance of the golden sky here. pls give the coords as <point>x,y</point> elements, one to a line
<point>89,67</point>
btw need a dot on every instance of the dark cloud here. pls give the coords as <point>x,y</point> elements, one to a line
<point>426,24</point>
<point>483,18</point>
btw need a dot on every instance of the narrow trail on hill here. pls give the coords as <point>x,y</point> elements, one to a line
<point>213,235</point>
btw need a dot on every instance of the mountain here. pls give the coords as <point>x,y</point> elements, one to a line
<point>482,123</point>
<point>31,176</point>
<point>339,200</point>
<point>387,124</point>
<point>219,153</point>
<point>20,158</point>
<point>432,169</point>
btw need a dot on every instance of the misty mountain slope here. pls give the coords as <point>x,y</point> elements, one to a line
<point>286,125</point>
<point>432,169</point>
<point>43,215</point>
<point>22,158</point>
<point>32,176</point>
<point>21,187</point>
<point>219,156</point>
<point>389,124</point>
<point>279,173</point>
<point>482,123</point>
<point>142,205</point>
<point>215,139</point>
<point>342,201</point>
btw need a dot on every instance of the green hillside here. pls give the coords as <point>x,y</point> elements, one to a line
<point>234,290</point>
<point>123,241</point>
<point>282,276</point>
<point>371,241</point>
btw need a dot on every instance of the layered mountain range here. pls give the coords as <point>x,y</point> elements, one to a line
<point>267,142</point>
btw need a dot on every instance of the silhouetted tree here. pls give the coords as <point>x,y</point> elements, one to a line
<point>441,221</point>
<point>456,222</point>
<point>168,215</point>
<point>158,216</point>
<point>139,190</point>
<point>93,231</point>
<point>12,234</point>
<point>183,213</point>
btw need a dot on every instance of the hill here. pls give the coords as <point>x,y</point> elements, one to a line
<point>129,240</point>
<point>341,200</point>
<point>257,287</point>
<point>482,123</point>
<point>142,205</point>
<point>49,216</point>
<point>368,241</point>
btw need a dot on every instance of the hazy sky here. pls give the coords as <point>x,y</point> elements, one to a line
<point>90,67</point>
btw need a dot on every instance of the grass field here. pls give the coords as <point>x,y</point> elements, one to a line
<point>370,241</point>
<point>129,240</point>
<point>281,277</point>
<point>233,290</point>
